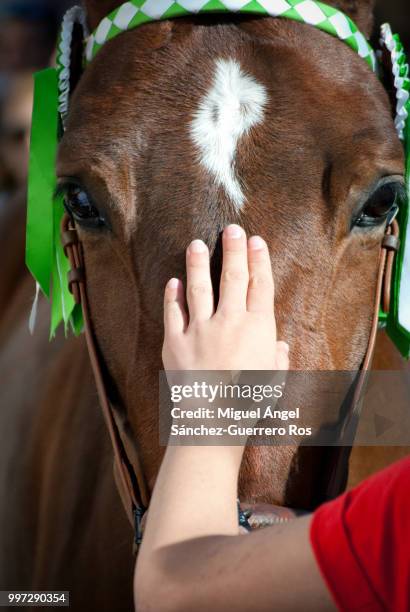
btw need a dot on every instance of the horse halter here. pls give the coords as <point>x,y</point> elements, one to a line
<point>58,235</point>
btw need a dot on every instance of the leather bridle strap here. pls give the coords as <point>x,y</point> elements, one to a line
<point>129,477</point>
<point>337,475</point>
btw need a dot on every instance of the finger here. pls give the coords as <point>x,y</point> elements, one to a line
<point>260,288</point>
<point>282,356</point>
<point>199,286</point>
<point>234,276</point>
<point>175,315</point>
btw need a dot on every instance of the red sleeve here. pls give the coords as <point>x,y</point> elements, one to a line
<point>361,542</point>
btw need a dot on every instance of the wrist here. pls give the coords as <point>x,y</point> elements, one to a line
<point>222,458</point>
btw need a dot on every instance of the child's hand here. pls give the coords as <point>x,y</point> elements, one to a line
<point>241,333</point>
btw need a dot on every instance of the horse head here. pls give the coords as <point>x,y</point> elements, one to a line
<point>180,127</point>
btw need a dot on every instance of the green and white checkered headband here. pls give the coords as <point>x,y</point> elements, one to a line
<point>137,12</point>
<point>45,258</point>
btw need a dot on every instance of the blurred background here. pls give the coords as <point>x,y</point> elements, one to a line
<point>28,33</point>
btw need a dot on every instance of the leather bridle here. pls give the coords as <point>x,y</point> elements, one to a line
<point>129,476</point>
<point>128,471</point>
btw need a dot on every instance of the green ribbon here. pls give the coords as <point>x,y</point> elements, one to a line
<point>398,334</point>
<point>45,257</point>
<point>41,186</point>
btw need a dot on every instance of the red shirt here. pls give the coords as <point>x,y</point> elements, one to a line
<point>361,541</point>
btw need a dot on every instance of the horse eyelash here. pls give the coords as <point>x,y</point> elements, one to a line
<point>62,187</point>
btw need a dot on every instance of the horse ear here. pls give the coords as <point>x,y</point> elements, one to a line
<point>361,11</point>
<point>98,9</point>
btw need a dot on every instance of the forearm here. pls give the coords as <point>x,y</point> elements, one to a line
<point>266,570</point>
<point>193,480</point>
<point>198,487</point>
<point>192,557</point>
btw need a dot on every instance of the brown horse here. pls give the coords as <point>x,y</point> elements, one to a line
<point>318,151</point>
<point>137,155</point>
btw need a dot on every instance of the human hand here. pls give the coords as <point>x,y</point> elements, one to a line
<point>241,333</point>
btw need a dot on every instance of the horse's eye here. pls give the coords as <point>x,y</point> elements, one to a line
<point>77,203</point>
<point>381,205</point>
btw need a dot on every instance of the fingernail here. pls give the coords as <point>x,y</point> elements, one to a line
<point>173,283</point>
<point>286,347</point>
<point>197,246</point>
<point>256,243</point>
<point>234,231</point>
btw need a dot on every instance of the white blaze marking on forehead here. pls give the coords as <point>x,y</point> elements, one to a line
<point>234,104</point>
